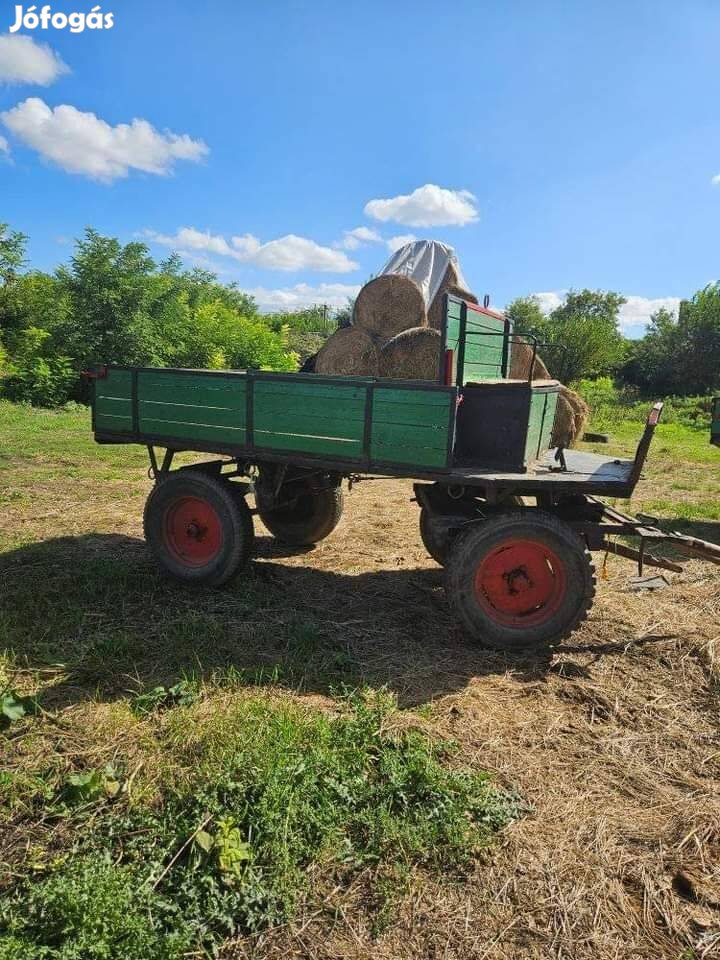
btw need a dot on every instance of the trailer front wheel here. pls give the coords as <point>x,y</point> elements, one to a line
<point>523,579</point>
<point>197,530</point>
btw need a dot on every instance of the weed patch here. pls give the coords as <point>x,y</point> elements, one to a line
<point>268,794</point>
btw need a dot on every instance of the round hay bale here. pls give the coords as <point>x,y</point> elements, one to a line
<point>388,305</point>
<point>412,355</point>
<point>581,411</point>
<point>349,352</point>
<point>449,284</point>
<point>520,360</point>
<point>570,418</point>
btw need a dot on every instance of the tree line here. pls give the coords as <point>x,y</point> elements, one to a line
<point>113,303</point>
<point>581,339</point>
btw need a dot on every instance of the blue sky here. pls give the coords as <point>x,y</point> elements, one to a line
<point>554,145</point>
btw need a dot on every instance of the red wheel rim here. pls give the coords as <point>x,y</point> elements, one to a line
<point>521,583</point>
<point>193,532</point>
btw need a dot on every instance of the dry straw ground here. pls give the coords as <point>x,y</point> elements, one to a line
<point>613,740</point>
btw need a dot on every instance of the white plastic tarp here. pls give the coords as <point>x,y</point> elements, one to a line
<point>426,262</point>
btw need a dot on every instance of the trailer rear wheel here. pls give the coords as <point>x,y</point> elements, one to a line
<point>520,580</point>
<point>196,529</point>
<point>308,519</point>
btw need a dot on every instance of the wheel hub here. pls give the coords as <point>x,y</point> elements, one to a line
<point>520,583</point>
<point>193,531</point>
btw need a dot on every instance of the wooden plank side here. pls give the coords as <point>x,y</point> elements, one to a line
<point>548,422</point>
<point>292,390</point>
<point>192,406</point>
<point>113,403</point>
<point>226,393</point>
<point>310,417</point>
<point>411,426</point>
<point>187,430</point>
<point>540,422</point>
<point>483,348</point>
<point>345,449</point>
<point>311,407</point>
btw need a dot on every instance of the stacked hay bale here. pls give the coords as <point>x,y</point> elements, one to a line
<point>389,335</point>
<point>393,334</point>
<point>413,354</point>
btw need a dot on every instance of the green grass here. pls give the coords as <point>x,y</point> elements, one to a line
<point>255,798</point>
<point>172,788</point>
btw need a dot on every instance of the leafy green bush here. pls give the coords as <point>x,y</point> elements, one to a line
<point>35,377</point>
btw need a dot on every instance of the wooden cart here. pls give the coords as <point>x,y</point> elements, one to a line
<point>513,521</point>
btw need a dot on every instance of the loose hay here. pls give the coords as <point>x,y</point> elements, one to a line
<point>349,352</point>
<point>436,313</point>
<point>388,305</point>
<point>412,355</point>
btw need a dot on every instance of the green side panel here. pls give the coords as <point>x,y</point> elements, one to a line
<point>192,406</point>
<point>113,403</point>
<point>483,343</point>
<point>310,417</point>
<point>483,348</point>
<point>411,426</point>
<point>540,423</point>
<point>715,424</point>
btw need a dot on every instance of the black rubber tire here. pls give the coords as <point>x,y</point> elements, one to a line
<point>475,544</point>
<point>233,519</point>
<point>437,547</point>
<point>311,518</point>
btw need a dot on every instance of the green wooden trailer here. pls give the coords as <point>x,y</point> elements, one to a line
<point>512,520</point>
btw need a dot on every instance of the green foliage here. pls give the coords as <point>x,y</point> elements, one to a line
<point>581,337</point>
<point>12,252</point>
<point>90,910</point>
<point>610,404</point>
<point>91,785</point>
<point>14,707</point>
<point>182,694</point>
<point>270,794</point>
<point>113,304</point>
<point>35,375</point>
<point>679,356</point>
<point>310,320</point>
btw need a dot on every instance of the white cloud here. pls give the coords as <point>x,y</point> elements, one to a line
<point>549,301</point>
<point>428,206</point>
<point>637,311</point>
<point>83,143</point>
<point>4,147</point>
<point>289,253</point>
<point>716,180</point>
<point>634,315</point>
<point>188,238</point>
<point>22,60</point>
<point>304,295</point>
<point>358,238</point>
<point>394,243</point>
<point>299,253</point>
